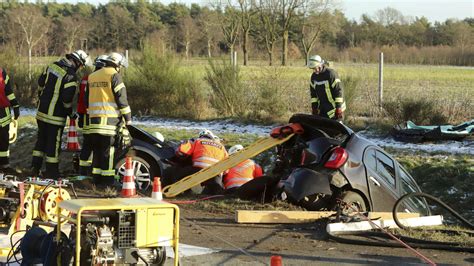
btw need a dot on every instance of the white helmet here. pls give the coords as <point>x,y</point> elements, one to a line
<point>315,61</point>
<point>100,60</point>
<point>235,149</point>
<point>118,60</point>
<point>81,57</point>
<point>206,133</point>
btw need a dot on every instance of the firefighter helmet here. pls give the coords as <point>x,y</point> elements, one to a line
<point>206,133</point>
<point>81,57</point>
<point>315,61</point>
<point>117,59</point>
<point>100,60</point>
<point>235,149</point>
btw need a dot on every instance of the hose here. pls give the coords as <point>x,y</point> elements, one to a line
<point>433,198</point>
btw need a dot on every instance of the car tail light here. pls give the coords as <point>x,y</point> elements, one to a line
<point>337,158</point>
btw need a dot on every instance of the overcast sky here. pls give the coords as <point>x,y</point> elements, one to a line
<point>434,10</point>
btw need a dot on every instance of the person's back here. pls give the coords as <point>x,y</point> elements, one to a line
<point>241,174</point>
<point>207,152</point>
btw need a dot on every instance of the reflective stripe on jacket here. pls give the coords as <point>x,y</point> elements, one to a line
<point>241,174</point>
<point>106,101</point>
<point>204,152</point>
<point>326,93</point>
<point>58,86</point>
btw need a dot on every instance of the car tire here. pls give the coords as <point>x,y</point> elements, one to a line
<point>315,202</point>
<point>353,199</point>
<point>144,171</point>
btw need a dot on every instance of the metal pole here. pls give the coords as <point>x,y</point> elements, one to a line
<point>381,80</point>
<point>235,58</point>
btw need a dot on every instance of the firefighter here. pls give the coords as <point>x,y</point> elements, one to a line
<point>108,109</point>
<point>57,88</point>
<point>204,151</point>
<point>85,160</point>
<point>241,173</point>
<point>326,90</point>
<point>7,102</point>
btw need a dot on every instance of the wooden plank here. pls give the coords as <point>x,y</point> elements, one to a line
<point>388,215</point>
<point>366,226</point>
<point>290,217</point>
<point>279,217</point>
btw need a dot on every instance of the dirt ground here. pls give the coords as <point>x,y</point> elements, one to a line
<point>299,244</point>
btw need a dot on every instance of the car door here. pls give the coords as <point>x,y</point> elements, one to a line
<point>381,179</point>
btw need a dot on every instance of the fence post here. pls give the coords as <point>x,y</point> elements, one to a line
<point>234,61</point>
<point>381,80</point>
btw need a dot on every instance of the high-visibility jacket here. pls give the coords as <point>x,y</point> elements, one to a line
<point>326,93</point>
<point>241,174</point>
<point>106,101</point>
<point>7,99</point>
<point>57,87</point>
<point>204,152</point>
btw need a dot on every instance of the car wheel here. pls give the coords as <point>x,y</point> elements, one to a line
<point>143,171</point>
<point>315,202</point>
<point>355,202</point>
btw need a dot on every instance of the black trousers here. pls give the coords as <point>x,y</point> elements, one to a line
<point>4,146</point>
<point>48,145</point>
<point>85,160</point>
<point>103,150</point>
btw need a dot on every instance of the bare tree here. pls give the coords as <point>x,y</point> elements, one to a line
<point>314,18</point>
<point>33,27</point>
<point>389,16</point>
<point>268,11</point>
<point>287,12</point>
<point>230,26</point>
<point>74,28</point>
<point>188,31</point>
<point>209,23</point>
<point>247,14</point>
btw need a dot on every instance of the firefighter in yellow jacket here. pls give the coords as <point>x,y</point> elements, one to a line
<point>57,88</point>
<point>7,102</point>
<point>108,109</point>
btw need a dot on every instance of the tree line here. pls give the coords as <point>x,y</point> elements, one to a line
<point>274,30</point>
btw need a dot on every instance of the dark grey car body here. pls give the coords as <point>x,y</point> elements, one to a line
<point>369,171</point>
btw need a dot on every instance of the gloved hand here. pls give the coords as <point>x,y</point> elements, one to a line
<point>128,123</point>
<point>339,114</point>
<point>73,116</point>
<point>16,112</point>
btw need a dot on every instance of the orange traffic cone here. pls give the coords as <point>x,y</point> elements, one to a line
<point>128,186</point>
<point>275,261</point>
<point>72,141</point>
<point>156,193</point>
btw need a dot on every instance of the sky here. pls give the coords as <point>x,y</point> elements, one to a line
<point>434,10</point>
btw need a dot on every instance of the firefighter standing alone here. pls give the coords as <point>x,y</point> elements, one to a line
<point>7,101</point>
<point>107,107</point>
<point>326,90</point>
<point>57,88</point>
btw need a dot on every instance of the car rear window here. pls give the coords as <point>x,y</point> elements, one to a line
<point>385,168</point>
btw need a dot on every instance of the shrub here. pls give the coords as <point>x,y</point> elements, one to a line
<point>24,87</point>
<point>268,94</point>
<point>420,111</point>
<point>158,85</point>
<point>228,95</point>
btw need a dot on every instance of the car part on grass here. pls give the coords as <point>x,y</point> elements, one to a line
<point>107,231</point>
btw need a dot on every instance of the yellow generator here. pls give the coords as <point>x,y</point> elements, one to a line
<point>120,231</point>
